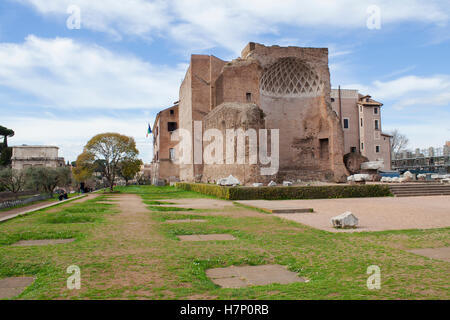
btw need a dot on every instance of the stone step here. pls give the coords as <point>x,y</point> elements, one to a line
<point>419,186</point>
<point>420,189</point>
<point>411,190</point>
<point>298,210</point>
<point>422,195</point>
<point>423,192</point>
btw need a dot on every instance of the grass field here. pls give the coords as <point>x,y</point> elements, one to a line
<point>125,250</point>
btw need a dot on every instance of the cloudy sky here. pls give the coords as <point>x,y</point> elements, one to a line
<point>61,85</point>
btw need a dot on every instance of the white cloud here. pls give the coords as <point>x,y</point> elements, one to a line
<point>64,73</point>
<point>414,91</point>
<point>137,17</point>
<point>72,134</point>
<point>231,23</point>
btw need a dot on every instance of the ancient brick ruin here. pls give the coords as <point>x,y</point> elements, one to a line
<point>284,88</point>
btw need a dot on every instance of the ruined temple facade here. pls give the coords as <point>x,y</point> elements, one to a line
<point>267,88</point>
<point>24,157</point>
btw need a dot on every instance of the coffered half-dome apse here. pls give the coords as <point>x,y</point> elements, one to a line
<point>290,77</point>
<point>293,97</point>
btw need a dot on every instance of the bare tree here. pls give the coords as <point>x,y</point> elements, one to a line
<point>12,179</point>
<point>398,141</point>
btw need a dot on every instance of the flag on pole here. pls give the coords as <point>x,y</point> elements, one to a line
<point>149,130</point>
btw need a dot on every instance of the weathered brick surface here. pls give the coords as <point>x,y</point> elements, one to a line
<point>291,86</point>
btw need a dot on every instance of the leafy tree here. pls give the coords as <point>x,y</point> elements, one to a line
<point>5,151</point>
<point>47,179</point>
<point>6,133</point>
<point>84,167</point>
<point>5,156</point>
<point>129,168</point>
<point>12,179</point>
<point>110,149</point>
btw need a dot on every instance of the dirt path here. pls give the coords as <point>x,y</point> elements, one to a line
<point>131,241</point>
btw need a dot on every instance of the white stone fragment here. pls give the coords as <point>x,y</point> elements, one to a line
<point>257,185</point>
<point>372,165</point>
<point>272,184</point>
<point>421,176</point>
<point>287,183</point>
<point>362,177</point>
<point>408,176</point>
<point>345,220</point>
<point>230,181</point>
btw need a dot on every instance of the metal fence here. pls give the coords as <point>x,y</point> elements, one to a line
<point>14,203</point>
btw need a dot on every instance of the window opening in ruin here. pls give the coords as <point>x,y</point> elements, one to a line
<point>361,122</point>
<point>377,149</point>
<point>375,110</point>
<point>353,149</point>
<point>249,97</point>
<point>377,125</point>
<point>172,112</point>
<point>324,154</point>
<point>171,126</point>
<point>172,154</point>
<point>362,146</point>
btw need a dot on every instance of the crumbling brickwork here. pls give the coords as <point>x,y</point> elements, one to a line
<point>274,88</point>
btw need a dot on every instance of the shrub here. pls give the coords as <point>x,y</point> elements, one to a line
<point>285,193</point>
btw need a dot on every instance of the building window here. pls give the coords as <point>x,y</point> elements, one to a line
<point>171,126</point>
<point>157,155</point>
<point>377,149</point>
<point>332,100</point>
<point>377,125</point>
<point>249,97</point>
<point>362,146</point>
<point>346,123</point>
<point>172,112</point>
<point>362,122</point>
<point>375,110</point>
<point>353,149</point>
<point>360,108</point>
<point>172,154</point>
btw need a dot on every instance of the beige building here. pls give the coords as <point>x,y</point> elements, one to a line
<point>268,88</point>
<point>360,116</point>
<point>163,167</point>
<point>36,156</point>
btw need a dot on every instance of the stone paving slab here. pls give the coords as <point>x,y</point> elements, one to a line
<point>30,243</point>
<point>434,253</point>
<point>184,221</point>
<point>207,237</point>
<point>198,203</point>
<point>11,287</point>
<point>374,214</point>
<point>245,276</point>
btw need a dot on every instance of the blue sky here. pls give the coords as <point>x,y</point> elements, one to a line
<point>61,86</point>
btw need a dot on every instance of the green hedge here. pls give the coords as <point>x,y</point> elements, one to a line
<point>284,193</point>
